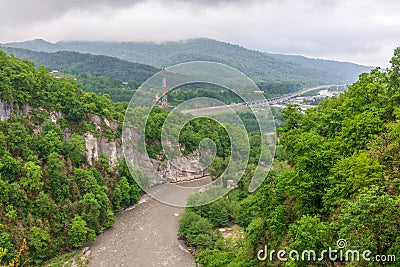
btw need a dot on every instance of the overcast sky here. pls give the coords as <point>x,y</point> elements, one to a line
<point>364,32</point>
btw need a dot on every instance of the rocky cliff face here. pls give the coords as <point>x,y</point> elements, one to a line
<point>179,170</point>
<point>7,110</point>
<point>97,144</point>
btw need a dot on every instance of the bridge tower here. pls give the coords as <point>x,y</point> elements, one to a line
<point>164,101</point>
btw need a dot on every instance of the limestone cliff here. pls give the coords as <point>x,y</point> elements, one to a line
<point>98,142</point>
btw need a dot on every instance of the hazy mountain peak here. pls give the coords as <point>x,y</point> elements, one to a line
<point>259,66</point>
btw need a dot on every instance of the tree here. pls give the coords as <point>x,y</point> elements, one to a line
<point>309,233</point>
<point>58,181</point>
<point>370,221</point>
<point>195,229</point>
<point>40,242</point>
<point>19,140</point>
<point>7,246</point>
<point>49,126</point>
<point>85,180</point>
<point>125,191</point>
<point>79,232</point>
<point>32,179</point>
<point>292,115</point>
<point>50,142</point>
<point>351,175</point>
<point>91,210</point>
<point>10,168</point>
<point>3,145</point>
<point>75,149</point>
<point>359,130</point>
<point>218,167</point>
<point>42,206</point>
<point>218,212</point>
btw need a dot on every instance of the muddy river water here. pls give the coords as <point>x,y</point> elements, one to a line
<point>143,235</point>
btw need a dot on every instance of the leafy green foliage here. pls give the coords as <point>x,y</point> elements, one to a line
<point>75,149</point>
<point>336,177</point>
<point>190,136</point>
<point>87,65</point>
<point>79,232</point>
<point>50,194</point>
<point>197,231</point>
<point>40,242</point>
<point>370,221</point>
<point>23,84</point>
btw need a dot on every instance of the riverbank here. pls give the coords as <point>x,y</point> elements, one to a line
<point>143,235</point>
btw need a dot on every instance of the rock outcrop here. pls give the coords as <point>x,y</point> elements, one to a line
<point>160,171</point>
<point>6,110</point>
<point>99,142</point>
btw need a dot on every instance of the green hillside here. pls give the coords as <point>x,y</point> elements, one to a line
<point>100,74</point>
<point>334,185</point>
<point>54,197</point>
<point>257,65</point>
<point>51,196</point>
<point>347,71</point>
<point>95,65</point>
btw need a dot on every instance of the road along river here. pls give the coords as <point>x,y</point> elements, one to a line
<point>144,235</point>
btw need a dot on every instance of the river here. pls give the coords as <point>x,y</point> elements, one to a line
<point>143,235</point>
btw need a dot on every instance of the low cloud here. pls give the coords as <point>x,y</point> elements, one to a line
<point>362,31</point>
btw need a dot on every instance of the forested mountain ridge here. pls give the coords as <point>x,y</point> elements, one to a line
<point>57,189</point>
<point>335,179</point>
<point>257,65</point>
<point>100,74</point>
<point>348,71</point>
<point>86,64</point>
<point>53,195</point>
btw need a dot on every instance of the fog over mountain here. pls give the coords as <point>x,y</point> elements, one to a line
<point>364,32</point>
<point>261,67</point>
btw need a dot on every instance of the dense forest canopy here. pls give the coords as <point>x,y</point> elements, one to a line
<point>86,64</point>
<point>119,79</point>
<point>51,197</point>
<point>336,176</point>
<point>260,67</point>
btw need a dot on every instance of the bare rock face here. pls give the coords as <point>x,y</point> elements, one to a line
<point>181,169</point>
<point>6,110</point>
<point>158,171</point>
<point>97,144</point>
<point>139,160</point>
<point>161,171</point>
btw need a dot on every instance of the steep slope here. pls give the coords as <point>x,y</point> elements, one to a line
<point>347,71</point>
<point>78,63</point>
<point>334,184</point>
<point>58,186</point>
<point>36,45</point>
<point>257,65</point>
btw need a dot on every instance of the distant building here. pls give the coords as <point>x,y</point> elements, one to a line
<point>56,73</point>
